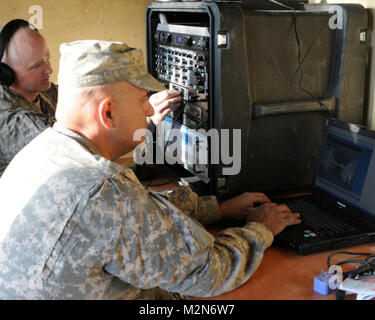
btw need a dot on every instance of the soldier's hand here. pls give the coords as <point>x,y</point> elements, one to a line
<point>163,103</point>
<point>275,217</point>
<point>239,207</point>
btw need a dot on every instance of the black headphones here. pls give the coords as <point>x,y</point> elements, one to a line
<point>7,75</point>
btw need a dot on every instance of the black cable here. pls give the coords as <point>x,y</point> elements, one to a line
<point>299,53</point>
<point>160,184</point>
<point>361,268</point>
<point>366,264</point>
<point>348,253</point>
<point>348,261</point>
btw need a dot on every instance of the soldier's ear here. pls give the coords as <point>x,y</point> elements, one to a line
<point>105,113</point>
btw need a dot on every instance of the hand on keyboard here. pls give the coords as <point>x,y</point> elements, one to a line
<point>275,217</point>
<point>240,206</point>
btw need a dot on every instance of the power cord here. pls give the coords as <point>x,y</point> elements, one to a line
<point>160,184</point>
<point>172,179</point>
<point>299,53</point>
<point>365,267</point>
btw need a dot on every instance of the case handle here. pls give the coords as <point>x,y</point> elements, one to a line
<point>272,109</point>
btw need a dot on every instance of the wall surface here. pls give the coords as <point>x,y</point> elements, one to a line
<point>70,20</point>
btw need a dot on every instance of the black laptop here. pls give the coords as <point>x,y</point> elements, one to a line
<point>340,212</point>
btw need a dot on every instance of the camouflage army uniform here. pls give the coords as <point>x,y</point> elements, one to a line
<point>21,121</point>
<point>83,227</point>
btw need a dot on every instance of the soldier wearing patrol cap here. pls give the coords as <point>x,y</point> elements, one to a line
<point>80,226</point>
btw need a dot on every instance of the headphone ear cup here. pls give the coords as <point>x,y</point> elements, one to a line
<point>7,75</point>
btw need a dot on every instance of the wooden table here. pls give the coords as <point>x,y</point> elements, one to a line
<point>285,275</point>
<point>282,275</point>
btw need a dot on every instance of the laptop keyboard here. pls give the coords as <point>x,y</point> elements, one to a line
<point>317,220</point>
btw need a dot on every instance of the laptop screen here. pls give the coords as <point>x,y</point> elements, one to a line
<point>346,166</point>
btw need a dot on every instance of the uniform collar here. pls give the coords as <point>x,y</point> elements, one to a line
<point>9,96</point>
<point>83,141</point>
<point>93,150</point>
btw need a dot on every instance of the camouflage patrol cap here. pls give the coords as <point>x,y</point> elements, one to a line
<point>88,63</point>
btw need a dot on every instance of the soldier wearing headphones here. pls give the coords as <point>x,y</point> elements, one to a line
<point>27,96</point>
